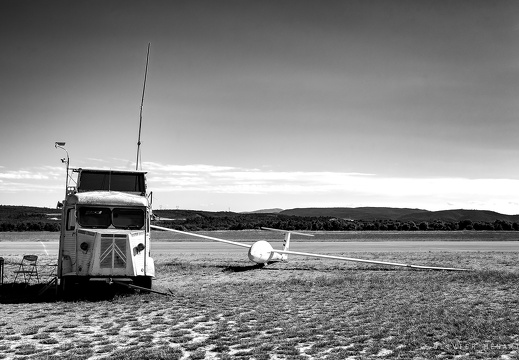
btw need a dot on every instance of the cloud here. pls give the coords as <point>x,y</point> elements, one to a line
<point>240,180</point>
<point>322,187</point>
<point>196,168</point>
<point>244,187</point>
<point>24,183</point>
<point>13,188</point>
<point>221,179</point>
<point>22,175</point>
<point>91,160</point>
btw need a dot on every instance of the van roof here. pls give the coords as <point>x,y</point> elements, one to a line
<point>107,198</point>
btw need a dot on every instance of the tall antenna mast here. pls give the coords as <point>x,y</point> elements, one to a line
<point>142,104</point>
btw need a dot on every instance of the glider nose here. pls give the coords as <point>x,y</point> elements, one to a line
<point>261,252</point>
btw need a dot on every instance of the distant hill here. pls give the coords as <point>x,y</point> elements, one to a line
<point>460,214</point>
<point>265,211</point>
<point>401,214</point>
<point>190,214</point>
<point>360,213</point>
<point>32,213</point>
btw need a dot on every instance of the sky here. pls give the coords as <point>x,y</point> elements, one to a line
<point>265,104</point>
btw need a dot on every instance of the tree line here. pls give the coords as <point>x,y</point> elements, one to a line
<point>30,226</point>
<point>27,218</point>
<point>284,222</point>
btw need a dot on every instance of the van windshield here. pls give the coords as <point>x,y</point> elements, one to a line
<point>120,218</point>
<point>127,218</point>
<point>95,217</point>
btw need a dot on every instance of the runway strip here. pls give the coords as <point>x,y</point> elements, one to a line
<point>177,248</point>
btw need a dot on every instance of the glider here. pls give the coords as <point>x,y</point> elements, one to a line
<point>261,252</point>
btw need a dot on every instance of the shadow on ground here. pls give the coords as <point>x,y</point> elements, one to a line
<point>16,293</point>
<point>242,268</point>
<point>263,267</point>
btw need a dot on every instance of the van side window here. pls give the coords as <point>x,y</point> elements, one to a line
<point>71,219</point>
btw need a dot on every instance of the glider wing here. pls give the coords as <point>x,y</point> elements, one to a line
<point>201,236</point>
<point>367,261</point>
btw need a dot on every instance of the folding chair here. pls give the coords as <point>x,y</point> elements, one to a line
<point>1,271</point>
<point>28,268</point>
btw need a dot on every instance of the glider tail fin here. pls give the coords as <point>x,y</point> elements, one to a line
<point>286,245</point>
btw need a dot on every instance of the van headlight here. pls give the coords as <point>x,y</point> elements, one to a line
<point>84,246</point>
<point>140,247</point>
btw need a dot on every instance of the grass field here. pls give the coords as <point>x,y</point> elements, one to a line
<point>226,308</point>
